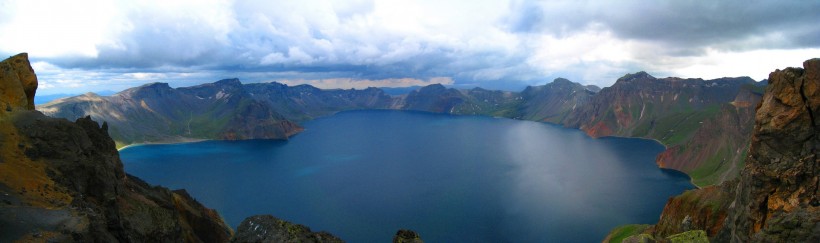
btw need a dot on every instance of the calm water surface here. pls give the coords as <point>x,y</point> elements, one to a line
<point>362,175</point>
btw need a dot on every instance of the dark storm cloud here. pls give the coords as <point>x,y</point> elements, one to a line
<point>679,23</point>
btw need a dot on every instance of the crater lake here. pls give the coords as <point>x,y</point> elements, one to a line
<point>363,175</point>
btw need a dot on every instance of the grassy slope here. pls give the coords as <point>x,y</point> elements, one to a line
<point>620,233</point>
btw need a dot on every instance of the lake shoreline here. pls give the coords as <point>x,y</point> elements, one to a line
<point>691,181</point>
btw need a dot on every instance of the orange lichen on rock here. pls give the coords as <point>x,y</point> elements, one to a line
<point>600,129</point>
<point>704,209</point>
<point>25,177</point>
<point>19,83</point>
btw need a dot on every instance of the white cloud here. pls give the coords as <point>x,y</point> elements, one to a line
<point>756,64</point>
<point>273,58</point>
<point>57,28</point>
<point>484,42</point>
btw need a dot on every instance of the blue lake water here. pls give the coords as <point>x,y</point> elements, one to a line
<point>362,175</point>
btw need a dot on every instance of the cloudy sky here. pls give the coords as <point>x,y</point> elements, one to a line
<point>92,45</point>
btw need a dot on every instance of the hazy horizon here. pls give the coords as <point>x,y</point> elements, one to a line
<point>92,45</point>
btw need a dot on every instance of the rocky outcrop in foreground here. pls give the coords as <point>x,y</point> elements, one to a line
<point>63,181</point>
<point>266,228</point>
<point>20,83</point>
<point>407,236</point>
<point>776,197</point>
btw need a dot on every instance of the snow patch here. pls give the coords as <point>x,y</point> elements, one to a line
<point>222,94</point>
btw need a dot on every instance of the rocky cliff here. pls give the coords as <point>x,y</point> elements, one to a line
<point>775,199</point>
<point>20,85</point>
<point>266,228</point>
<point>704,129</point>
<point>63,181</point>
<point>716,150</point>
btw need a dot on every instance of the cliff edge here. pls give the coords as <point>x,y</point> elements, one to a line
<point>19,83</point>
<point>63,181</point>
<point>777,197</point>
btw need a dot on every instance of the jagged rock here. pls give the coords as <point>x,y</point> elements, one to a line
<point>686,225</point>
<point>699,209</point>
<point>63,181</point>
<point>777,197</point>
<point>407,236</point>
<point>266,228</point>
<point>18,83</point>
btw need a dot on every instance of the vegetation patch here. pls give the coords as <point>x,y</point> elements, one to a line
<point>620,233</point>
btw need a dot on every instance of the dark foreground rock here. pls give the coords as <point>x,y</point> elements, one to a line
<point>63,181</point>
<point>266,228</point>
<point>777,197</point>
<point>407,236</point>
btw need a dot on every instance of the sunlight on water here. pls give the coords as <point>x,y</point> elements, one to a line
<point>363,175</point>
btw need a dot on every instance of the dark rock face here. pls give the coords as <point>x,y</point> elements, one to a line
<point>777,196</point>
<point>63,181</point>
<point>266,228</point>
<point>20,83</point>
<point>700,209</point>
<point>407,236</point>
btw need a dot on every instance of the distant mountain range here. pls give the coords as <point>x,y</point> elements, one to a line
<point>42,99</point>
<point>704,123</point>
